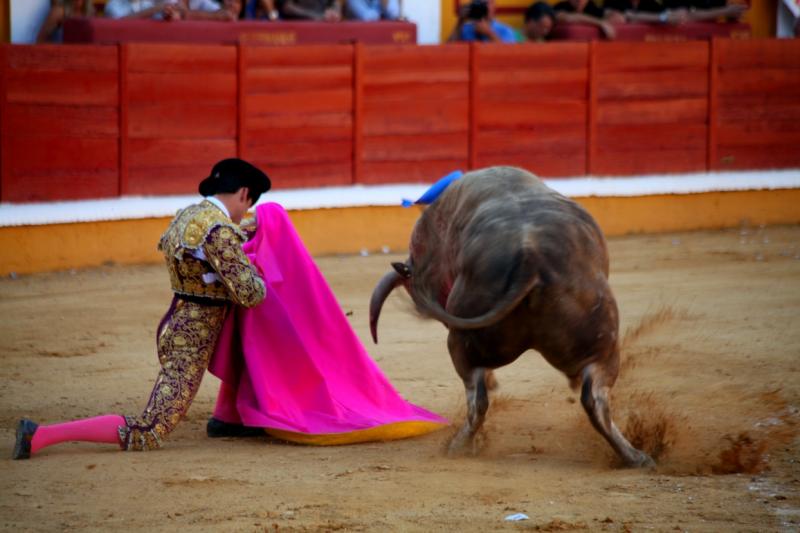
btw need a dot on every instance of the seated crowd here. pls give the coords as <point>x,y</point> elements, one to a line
<point>220,10</point>
<point>477,22</point>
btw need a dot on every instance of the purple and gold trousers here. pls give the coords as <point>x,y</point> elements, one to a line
<point>186,338</point>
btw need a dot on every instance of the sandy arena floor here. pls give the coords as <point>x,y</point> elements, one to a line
<point>711,376</point>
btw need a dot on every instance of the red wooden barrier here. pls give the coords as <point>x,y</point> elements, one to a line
<point>60,124</point>
<point>99,121</point>
<point>182,114</point>
<point>652,107</point>
<point>758,115</point>
<point>531,106</point>
<point>298,119</point>
<point>415,112</point>
<point>4,50</point>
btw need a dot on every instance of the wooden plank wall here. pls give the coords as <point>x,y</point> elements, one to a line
<point>99,121</point>
<point>758,104</point>
<point>298,113</point>
<point>181,116</point>
<point>531,107</point>
<point>60,123</point>
<point>652,107</point>
<point>415,112</point>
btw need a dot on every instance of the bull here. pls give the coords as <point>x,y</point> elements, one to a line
<point>508,264</point>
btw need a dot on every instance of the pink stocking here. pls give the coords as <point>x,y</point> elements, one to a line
<point>97,429</point>
<point>225,409</point>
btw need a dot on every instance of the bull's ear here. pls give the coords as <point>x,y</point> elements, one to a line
<point>402,269</point>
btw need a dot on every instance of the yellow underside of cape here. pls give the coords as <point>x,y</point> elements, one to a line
<point>399,430</point>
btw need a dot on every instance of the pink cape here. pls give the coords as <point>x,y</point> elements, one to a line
<point>293,364</point>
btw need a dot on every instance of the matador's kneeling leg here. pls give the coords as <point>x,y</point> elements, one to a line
<point>185,343</point>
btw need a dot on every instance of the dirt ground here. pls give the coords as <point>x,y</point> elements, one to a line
<point>710,381</point>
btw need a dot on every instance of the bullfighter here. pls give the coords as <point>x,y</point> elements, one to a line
<point>209,273</point>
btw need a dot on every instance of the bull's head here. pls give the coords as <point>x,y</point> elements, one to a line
<point>401,275</point>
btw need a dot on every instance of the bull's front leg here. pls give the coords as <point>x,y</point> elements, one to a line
<point>477,398</point>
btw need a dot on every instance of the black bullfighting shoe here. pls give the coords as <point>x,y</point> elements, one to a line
<point>25,430</point>
<point>217,428</point>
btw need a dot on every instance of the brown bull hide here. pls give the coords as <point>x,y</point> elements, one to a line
<point>508,264</point>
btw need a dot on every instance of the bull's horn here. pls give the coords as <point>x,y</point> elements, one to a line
<point>388,282</point>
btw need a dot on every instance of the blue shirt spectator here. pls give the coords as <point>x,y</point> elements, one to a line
<point>371,10</point>
<point>476,22</point>
<point>505,33</point>
<point>261,9</point>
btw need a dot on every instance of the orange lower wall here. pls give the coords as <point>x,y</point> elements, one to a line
<point>663,213</point>
<point>29,249</point>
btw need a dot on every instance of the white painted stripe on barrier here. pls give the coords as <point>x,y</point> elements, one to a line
<point>138,207</point>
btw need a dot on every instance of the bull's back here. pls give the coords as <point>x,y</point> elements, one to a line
<point>506,210</point>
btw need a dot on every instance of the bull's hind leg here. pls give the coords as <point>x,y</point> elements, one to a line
<point>490,380</point>
<point>594,397</point>
<point>477,404</point>
<point>474,379</point>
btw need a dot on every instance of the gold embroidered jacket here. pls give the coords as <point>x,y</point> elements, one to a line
<point>203,251</point>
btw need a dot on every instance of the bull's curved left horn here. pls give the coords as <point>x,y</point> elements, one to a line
<point>388,282</point>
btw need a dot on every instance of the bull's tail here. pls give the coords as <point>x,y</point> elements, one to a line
<point>511,299</point>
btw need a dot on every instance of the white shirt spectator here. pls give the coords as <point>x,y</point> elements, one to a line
<point>117,9</point>
<point>124,8</point>
<point>788,15</point>
<point>204,5</point>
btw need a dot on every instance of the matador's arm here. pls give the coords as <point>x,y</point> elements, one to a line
<point>223,250</point>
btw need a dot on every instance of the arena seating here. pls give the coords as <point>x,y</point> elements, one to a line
<point>654,32</point>
<point>108,31</point>
<point>95,121</point>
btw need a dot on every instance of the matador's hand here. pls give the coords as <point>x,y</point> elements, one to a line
<point>249,226</point>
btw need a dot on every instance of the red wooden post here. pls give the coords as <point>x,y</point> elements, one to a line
<point>4,51</point>
<point>474,102</point>
<point>358,111</point>
<point>122,66</point>
<point>591,109</point>
<point>241,77</point>
<point>711,149</point>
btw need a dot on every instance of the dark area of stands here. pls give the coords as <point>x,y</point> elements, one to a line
<point>654,32</point>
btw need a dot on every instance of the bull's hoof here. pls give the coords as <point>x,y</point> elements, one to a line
<point>464,445</point>
<point>469,450</point>
<point>640,460</point>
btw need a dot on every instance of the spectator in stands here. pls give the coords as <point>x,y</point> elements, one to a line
<point>327,10</point>
<point>371,10</point>
<point>476,22</point>
<point>788,19</point>
<point>174,9</point>
<point>635,7</point>
<point>587,12</point>
<point>52,29</point>
<point>674,11</point>
<point>539,21</point>
<point>231,10</point>
<point>118,9</point>
<point>647,11</point>
<point>261,10</point>
<point>696,10</point>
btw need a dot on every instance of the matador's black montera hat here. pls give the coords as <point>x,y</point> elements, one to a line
<point>230,175</point>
